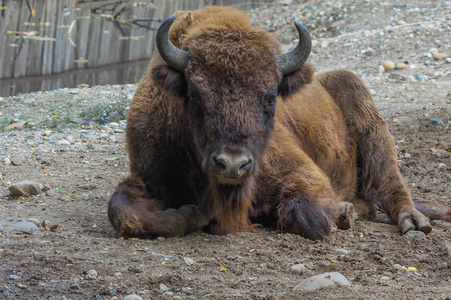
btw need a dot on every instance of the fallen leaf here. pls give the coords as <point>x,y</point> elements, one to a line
<point>43,225</point>
<point>223,268</point>
<point>54,227</point>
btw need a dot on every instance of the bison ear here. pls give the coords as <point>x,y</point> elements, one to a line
<point>170,80</point>
<point>293,82</point>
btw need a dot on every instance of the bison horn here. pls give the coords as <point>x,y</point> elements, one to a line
<point>293,60</point>
<point>173,56</point>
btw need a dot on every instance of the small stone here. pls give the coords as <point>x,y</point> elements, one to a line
<point>63,142</point>
<point>388,65</point>
<point>26,227</point>
<point>51,193</point>
<point>75,287</point>
<point>407,155</point>
<point>71,139</point>
<point>441,165</point>
<point>322,280</point>
<point>299,268</point>
<point>344,251</point>
<point>380,69</point>
<point>7,161</point>
<point>433,51</point>
<point>135,269</point>
<point>25,188</point>
<point>163,287</point>
<point>436,122</point>
<point>15,125</point>
<point>448,59</point>
<point>13,277</point>
<point>35,221</point>
<point>118,130</point>
<point>132,297</point>
<point>91,274</point>
<point>415,234</point>
<point>188,261</point>
<point>18,160</point>
<point>438,56</point>
<point>113,124</point>
<point>401,66</point>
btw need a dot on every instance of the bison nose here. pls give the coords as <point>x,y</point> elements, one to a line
<point>231,162</point>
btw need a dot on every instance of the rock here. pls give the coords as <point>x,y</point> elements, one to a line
<point>344,251</point>
<point>135,269</point>
<point>436,122</point>
<point>401,66</point>
<point>71,139</point>
<point>381,69</point>
<point>322,280</point>
<point>91,274</point>
<point>407,155</point>
<point>433,51</point>
<point>299,268</point>
<point>132,297</point>
<point>75,287</point>
<point>63,142</point>
<point>118,130</point>
<point>15,125</point>
<point>163,287</point>
<point>188,261</point>
<point>388,65</point>
<point>438,56</point>
<point>441,165</point>
<point>25,188</point>
<point>448,59</point>
<point>13,277</point>
<point>34,221</point>
<point>26,227</point>
<point>18,160</point>
<point>415,234</point>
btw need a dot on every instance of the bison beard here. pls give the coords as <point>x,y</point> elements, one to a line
<point>223,127</point>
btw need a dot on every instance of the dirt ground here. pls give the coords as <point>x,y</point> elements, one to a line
<point>72,143</point>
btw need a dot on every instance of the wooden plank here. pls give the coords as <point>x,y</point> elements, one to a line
<point>21,53</point>
<point>51,17</point>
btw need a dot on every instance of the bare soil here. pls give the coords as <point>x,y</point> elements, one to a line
<point>78,160</point>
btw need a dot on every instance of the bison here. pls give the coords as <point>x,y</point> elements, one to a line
<point>225,131</point>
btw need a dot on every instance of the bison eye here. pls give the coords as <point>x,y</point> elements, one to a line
<point>271,100</point>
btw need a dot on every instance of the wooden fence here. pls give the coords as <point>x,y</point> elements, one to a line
<point>44,37</point>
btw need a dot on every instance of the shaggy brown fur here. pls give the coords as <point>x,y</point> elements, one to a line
<point>323,143</point>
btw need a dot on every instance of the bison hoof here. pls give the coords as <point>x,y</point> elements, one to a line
<point>411,219</point>
<point>346,219</point>
<point>195,219</point>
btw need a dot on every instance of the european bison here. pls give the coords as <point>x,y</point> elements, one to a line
<point>225,129</point>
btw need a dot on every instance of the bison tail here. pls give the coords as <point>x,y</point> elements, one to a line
<point>433,212</point>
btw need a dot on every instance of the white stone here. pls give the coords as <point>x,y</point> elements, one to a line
<point>322,280</point>
<point>188,261</point>
<point>132,297</point>
<point>91,274</point>
<point>298,268</point>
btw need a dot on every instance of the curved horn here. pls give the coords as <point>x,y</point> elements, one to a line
<point>173,56</point>
<point>293,60</point>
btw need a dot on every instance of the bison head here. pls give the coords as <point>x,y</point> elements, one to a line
<point>230,77</point>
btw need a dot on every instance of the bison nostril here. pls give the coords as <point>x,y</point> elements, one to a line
<point>220,163</point>
<point>246,166</point>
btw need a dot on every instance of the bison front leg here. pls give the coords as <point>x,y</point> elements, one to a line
<point>134,214</point>
<point>308,205</point>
